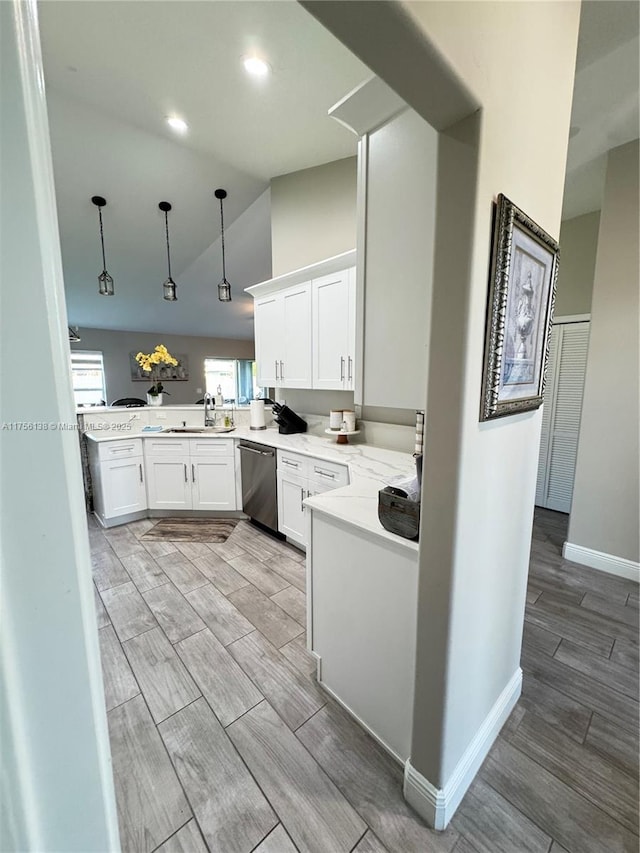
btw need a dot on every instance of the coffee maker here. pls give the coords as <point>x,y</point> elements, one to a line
<point>287,420</point>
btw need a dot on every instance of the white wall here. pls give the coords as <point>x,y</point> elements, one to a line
<point>313,215</point>
<point>54,729</point>
<point>478,508</point>
<point>479,478</point>
<point>605,511</point>
<point>116,346</point>
<point>578,243</point>
<point>400,230</point>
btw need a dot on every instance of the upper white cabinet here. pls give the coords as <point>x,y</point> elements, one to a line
<point>283,332</point>
<point>334,330</point>
<point>305,326</point>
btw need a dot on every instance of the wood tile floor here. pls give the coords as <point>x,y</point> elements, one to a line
<point>222,741</point>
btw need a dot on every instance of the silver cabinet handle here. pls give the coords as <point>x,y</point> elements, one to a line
<point>350,368</point>
<point>302,499</point>
<point>121,449</point>
<point>324,473</point>
<point>141,478</point>
<point>341,368</point>
<point>193,473</point>
<point>290,464</point>
<point>186,477</point>
<point>277,377</point>
<point>281,370</point>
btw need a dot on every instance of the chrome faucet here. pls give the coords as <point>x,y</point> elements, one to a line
<point>208,409</point>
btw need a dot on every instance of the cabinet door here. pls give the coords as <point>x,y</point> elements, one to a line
<point>123,486</point>
<point>331,330</point>
<point>292,490</point>
<point>213,483</point>
<point>295,367</point>
<point>168,482</point>
<point>268,320</point>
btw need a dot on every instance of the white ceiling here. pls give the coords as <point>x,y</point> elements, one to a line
<point>113,71</point>
<point>605,98</point>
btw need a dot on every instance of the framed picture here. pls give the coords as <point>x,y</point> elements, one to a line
<point>522,290</point>
<point>166,372</point>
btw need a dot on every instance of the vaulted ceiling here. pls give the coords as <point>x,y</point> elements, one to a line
<point>114,71</point>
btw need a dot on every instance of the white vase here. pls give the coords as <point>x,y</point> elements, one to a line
<point>154,399</point>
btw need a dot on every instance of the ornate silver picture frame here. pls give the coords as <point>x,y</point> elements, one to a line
<point>522,291</point>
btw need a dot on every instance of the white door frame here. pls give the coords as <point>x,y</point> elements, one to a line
<point>56,785</point>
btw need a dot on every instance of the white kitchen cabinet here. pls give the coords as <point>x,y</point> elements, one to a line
<point>123,487</point>
<point>213,483</point>
<point>305,326</point>
<point>283,335</point>
<point>300,477</point>
<point>168,482</point>
<point>334,330</point>
<point>292,491</point>
<point>201,476</point>
<point>269,328</point>
<point>118,478</point>
<point>295,367</point>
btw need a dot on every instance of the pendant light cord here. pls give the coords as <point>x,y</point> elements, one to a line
<point>166,231</point>
<point>104,260</point>
<point>224,273</point>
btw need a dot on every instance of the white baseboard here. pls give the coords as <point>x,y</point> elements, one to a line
<point>603,562</point>
<point>438,805</point>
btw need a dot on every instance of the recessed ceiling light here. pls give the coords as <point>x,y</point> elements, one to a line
<point>177,124</point>
<point>256,66</point>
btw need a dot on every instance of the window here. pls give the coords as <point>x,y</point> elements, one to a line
<point>236,377</point>
<point>87,373</point>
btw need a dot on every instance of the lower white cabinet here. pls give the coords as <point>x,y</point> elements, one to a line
<point>168,482</point>
<point>213,483</point>
<point>300,477</point>
<point>291,493</point>
<point>201,477</point>
<point>118,478</point>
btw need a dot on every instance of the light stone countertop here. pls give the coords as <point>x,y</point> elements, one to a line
<point>369,468</point>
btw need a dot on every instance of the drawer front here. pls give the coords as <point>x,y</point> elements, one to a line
<point>166,447</point>
<point>120,449</point>
<point>293,463</point>
<point>329,474</point>
<point>211,446</point>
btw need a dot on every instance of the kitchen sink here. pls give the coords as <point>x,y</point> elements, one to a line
<point>199,430</point>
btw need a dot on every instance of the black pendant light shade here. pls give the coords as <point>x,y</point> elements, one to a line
<point>224,288</point>
<point>105,282</point>
<point>169,287</point>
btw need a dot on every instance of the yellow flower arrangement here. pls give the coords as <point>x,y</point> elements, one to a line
<point>150,363</point>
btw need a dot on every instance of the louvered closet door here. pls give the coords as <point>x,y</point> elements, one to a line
<point>561,415</point>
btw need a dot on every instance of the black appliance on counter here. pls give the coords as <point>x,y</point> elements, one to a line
<point>287,420</point>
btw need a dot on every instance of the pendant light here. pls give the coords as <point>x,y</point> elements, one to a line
<point>105,282</point>
<point>224,288</point>
<point>169,287</point>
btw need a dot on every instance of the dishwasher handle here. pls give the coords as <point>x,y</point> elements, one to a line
<point>258,452</point>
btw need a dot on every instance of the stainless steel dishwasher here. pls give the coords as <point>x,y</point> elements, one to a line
<point>259,496</point>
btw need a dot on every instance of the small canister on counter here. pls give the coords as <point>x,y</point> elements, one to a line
<point>349,420</point>
<point>335,419</point>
